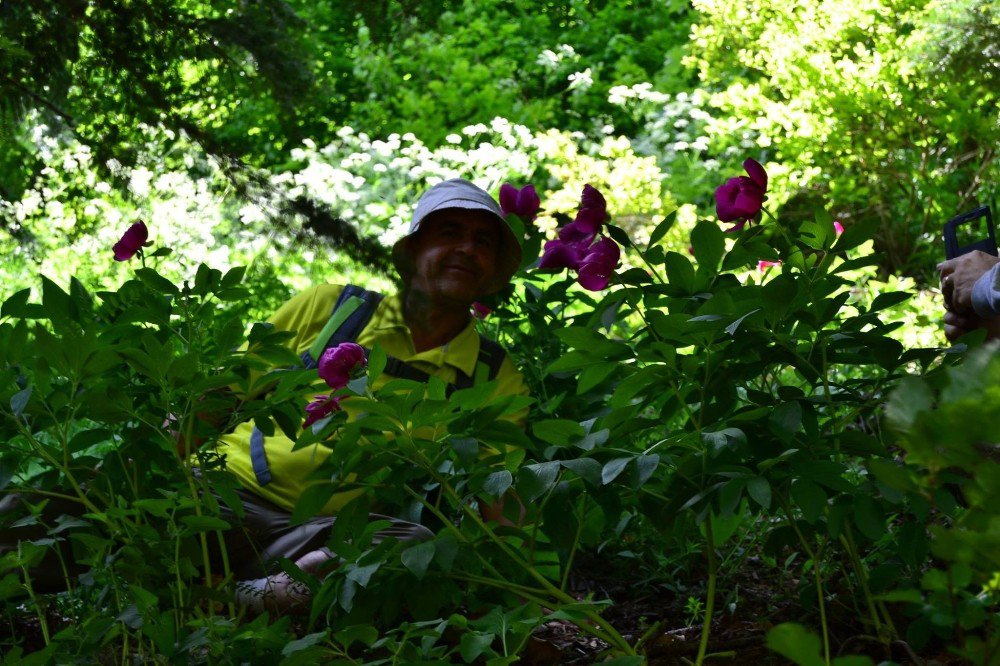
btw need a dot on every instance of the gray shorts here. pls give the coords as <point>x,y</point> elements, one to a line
<point>266,535</point>
<point>254,544</point>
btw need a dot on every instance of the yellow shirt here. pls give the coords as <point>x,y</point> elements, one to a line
<point>306,314</point>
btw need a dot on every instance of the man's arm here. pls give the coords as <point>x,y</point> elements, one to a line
<point>971,288</point>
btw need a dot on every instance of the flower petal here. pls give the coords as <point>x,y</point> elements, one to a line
<point>559,255</point>
<point>599,265</point>
<point>508,198</point>
<point>756,173</point>
<point>338,363</point>
<point>528,202</point>
<point>321,407</point>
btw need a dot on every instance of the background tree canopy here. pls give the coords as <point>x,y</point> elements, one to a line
<point>887,109</point>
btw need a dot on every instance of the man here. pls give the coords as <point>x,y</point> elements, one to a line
<point>459,249</point>
<point>971,288</point>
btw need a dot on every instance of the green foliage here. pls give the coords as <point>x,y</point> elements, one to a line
<point>864,103</point>
<point>945,428</point>
<point>538,64</point>
<point>696,413</point>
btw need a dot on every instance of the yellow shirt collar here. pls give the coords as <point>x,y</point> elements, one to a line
<point>461,352</point>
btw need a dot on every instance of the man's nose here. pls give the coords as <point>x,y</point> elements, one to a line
<point>465,243</point>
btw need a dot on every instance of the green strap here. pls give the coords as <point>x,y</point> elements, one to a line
<point>337,317</point>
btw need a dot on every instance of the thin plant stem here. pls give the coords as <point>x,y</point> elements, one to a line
<point>43,621</point>
<point>706,627</point>
<point>859,572</point>
<point>572,552</point>
<point>814,556</point>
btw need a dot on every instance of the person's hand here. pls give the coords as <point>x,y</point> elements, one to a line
<point>956,325</point>
<point>958,275</point>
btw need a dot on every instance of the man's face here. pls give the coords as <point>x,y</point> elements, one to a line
<point>455,255</point>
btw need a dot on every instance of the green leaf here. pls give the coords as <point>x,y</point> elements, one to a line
<point>709,242</point>
<point>612,469</point>
<point>359,633</point>
<point>302,643</point>
<point>732,328</point>
<point>786,420</point>
<point>869,517</point>
<point>497,483</point>
<point>645,465</point>
<point>417,558</point>
<point>913,544</point>
<point>311,502</point>
<point>586,468</point>
<point>661,229</point>
<point>680,272</point>
<point>897,477</point>
<point>827,472</point>
<point>856,234</point>
<point>233,277</point>
<point>195,524</point>
<point>796,643</point>
<point>810,499</point>
<point>7,471</point>
<point>361,574</point>
<point>559,432</point>
<point>55,301</point>
<point>911,397</point>
<point>156,282</point>
<point>729,438</point>
<point>535,480</point>
<point>889,299</point>
<point>19,401</point>
<point>473,644</point>
<point>618,235</point>
<point>760,490</point>
<point>816,233</point>
<point>376,363</point>
<point>17,305</point>
<point>445,550</point>
<point>593,376</point>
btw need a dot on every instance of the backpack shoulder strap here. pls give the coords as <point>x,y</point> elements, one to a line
<point>350,315</point>
<point>491,356</point>
<point>487,367</point>
<point>353,310</point>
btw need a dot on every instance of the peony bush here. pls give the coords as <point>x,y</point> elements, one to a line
<point>674,395</point>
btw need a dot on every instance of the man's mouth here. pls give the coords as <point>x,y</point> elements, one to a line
<point>461,268</point>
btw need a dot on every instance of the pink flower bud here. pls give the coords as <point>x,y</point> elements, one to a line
<point>337,364</point>
<point>131,241</point>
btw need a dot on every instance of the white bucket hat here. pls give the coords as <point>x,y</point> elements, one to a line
<point>460,193</point>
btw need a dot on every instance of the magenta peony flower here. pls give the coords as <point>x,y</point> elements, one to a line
<point>576,249</point>
<point>838,228</point>
<point>559,254</point>
<point>598,264</point>
<point>524,202</point>
<point>132,240</point>
<point>593,211</point>
<point>320,408</point>
<point>480,311</point>
<point>337,364</point>
<point>763,264</point>
<point>740,199</point>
